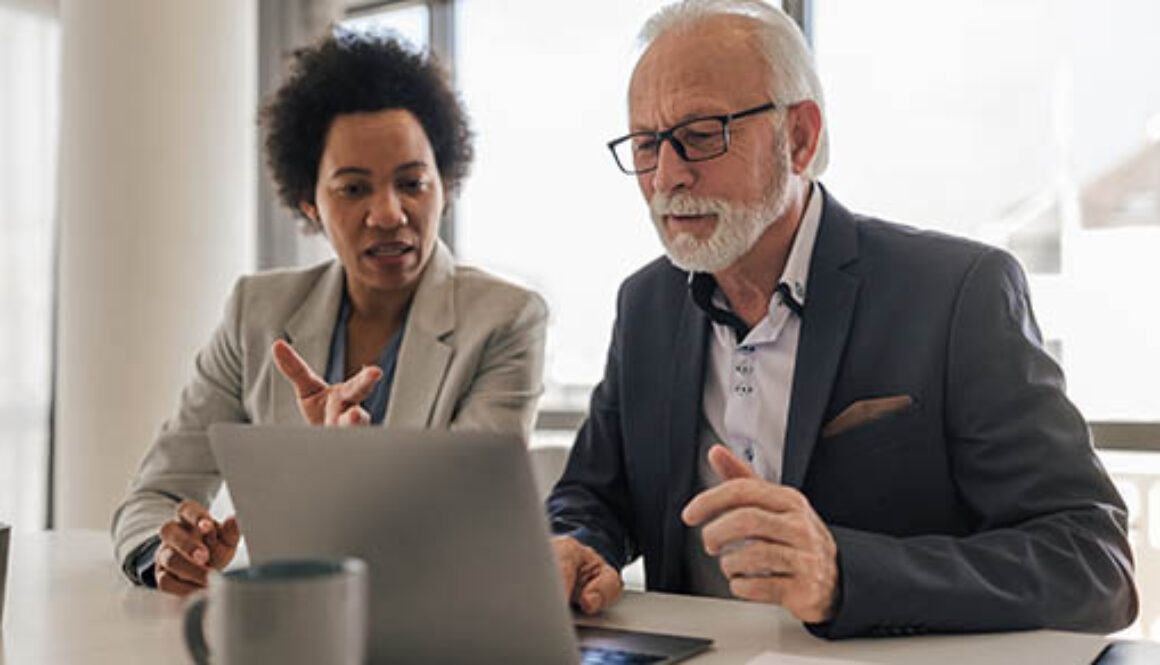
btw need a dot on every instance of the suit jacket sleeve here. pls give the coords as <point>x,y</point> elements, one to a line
<point>591,500</point>
<point>1049,547</point>
<point>179,464</point>
<point>503,394</point>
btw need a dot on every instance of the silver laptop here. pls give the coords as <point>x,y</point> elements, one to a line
<point>449,523</point>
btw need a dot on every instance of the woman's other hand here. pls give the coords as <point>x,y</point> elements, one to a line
<point>192,544</point>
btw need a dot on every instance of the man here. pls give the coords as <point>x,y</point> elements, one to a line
<point>802,406</point>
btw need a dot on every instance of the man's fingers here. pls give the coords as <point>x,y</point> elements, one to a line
<point>568,561</point>
<point>728,466</point>
<point>749,523</point>
<point>598,584</point>
<point>168,583</point>
<point>589,581</point>
<point>760,589</point>
<point>760,559</point>
<point>787,592</point>
<point>294,368</point>
<point>804,582</point>
<point>173,562</point>
<point>743,492</point>
<point>601,591</point>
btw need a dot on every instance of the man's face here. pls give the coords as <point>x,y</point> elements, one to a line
<point>710,213</point>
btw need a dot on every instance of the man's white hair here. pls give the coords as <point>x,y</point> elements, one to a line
<point>793,77</point>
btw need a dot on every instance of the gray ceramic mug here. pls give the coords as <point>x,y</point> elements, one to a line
<point>5,534</point>
<point>289,611</point>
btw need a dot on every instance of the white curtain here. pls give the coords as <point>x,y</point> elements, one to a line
<point>29,105</point>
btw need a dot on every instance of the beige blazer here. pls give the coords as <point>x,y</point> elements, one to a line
<point>471,358</point>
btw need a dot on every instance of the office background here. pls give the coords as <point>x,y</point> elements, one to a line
<point>133,194</point>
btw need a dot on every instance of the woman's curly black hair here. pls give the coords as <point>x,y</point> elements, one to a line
<point>351,72</point>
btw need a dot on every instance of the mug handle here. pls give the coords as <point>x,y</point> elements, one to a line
<point>195,629</point>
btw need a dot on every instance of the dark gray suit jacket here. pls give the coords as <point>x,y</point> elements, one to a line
<point>980,507</point>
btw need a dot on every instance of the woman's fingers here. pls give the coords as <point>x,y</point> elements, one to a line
<point>306,383</point>
<point>224,543</point>
<point>176,563</point>
<point>169,583</point>
<point>182,535</point>
<point>320,402</point>
<point>355,416</point>
<point>359,387</point>
<point>345,398</point>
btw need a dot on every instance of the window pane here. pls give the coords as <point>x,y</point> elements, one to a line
<point>410,21</point>
<point>1029,124</point>
<point>29,76</point>
<point>546,84</point>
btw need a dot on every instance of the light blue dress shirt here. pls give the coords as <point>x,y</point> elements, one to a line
<point>376,402</point>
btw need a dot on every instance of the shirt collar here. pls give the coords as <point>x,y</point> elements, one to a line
<point>795,276</point>
<point>792,287</point>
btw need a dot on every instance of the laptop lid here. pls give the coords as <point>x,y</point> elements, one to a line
<point>449,523</point>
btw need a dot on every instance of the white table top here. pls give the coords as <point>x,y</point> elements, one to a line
<point>67,603</point>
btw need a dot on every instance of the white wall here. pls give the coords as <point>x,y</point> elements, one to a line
<point>157,205</point>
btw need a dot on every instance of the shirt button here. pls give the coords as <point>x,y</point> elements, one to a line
<point>749,454</point>
<point>748,348</point>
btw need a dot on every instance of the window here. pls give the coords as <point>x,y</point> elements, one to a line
<point>29,100</point>
<point>546,85</point>
<point>1035,128</point>
<point>411,20</point>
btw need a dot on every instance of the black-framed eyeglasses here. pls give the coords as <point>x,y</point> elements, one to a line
<point>694,140</point>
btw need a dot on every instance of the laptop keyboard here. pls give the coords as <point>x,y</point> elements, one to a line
<point>604,656</point>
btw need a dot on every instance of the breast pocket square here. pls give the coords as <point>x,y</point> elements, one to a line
<point>865,411</point>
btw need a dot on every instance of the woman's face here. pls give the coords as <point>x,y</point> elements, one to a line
<point>379,198</point>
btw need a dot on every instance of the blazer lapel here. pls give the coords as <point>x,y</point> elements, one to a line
<point>425,355</point>
<point>681,423</point>
<point>309,331</point>
<point>826,320</point>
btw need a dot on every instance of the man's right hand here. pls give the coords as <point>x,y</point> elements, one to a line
<point>320,402</point>
<point>191,545</point>
<point>589,582</point>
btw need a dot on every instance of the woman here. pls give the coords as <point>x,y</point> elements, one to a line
<point>368,143</point>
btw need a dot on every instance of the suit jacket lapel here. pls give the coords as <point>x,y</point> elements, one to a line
<point>832,293</point>
<point>687,378</point>
<point>424,355</point>
<point>309,331</point>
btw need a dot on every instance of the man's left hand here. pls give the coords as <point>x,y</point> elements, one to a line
<point>771,545</point>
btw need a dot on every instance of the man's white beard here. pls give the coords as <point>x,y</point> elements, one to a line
<point>738,225</point>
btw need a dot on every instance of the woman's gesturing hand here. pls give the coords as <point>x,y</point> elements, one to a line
<point>320,402</point>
